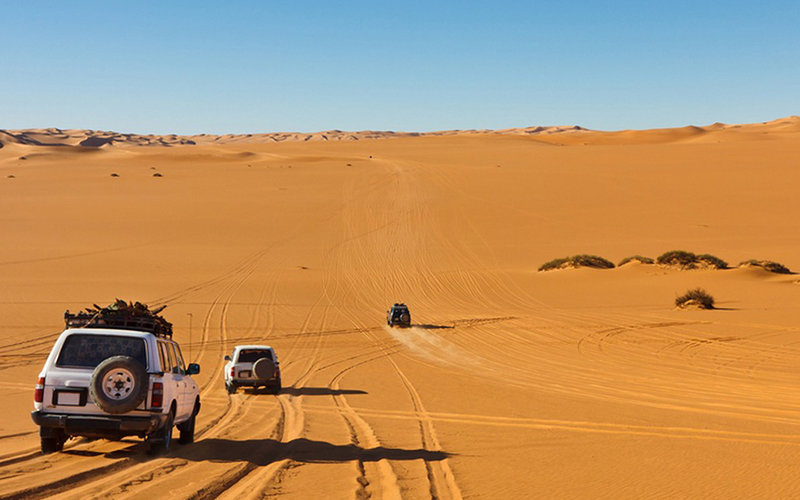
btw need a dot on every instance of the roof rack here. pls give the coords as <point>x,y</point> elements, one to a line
<point>121,314</point>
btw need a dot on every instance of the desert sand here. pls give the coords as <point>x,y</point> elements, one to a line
<point>513,383</point>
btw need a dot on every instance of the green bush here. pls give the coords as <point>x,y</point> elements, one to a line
<point>677,258</point>
<point>688,260</point>
<point>768,265</point>
<point>698,297</point>
<point>712,261</point>
<point>577,261</point>
<point>643,260</point>
<point>554,264</point>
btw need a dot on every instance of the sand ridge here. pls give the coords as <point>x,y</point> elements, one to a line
<point>100,139</point>
<point>92,139</point>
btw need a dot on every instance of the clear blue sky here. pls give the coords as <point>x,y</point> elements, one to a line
<point>258,66</point>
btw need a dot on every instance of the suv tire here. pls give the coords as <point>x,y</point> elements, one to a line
<point>118,384</point>
<point>161,439</point>
<point>230,388</point>
<point>187,428</point>
<point>52,441</point>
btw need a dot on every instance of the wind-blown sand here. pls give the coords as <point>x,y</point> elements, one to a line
<point>513,384</point>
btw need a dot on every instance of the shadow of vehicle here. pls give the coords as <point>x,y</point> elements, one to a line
<point>300,450</point>
<point>432,327</point>
<point>319,391</point>
<point>305,391</point>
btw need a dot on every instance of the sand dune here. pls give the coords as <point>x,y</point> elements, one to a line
<point>513,383</point>
<point>102,139</point>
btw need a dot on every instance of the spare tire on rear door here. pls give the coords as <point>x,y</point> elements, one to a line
<point>264,368</point>
<point>118,384</point>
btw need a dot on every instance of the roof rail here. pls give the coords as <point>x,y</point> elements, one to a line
<point>121,314</point>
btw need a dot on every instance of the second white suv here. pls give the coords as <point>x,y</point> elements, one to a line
<point>253,366</point>
<point>113,379</point>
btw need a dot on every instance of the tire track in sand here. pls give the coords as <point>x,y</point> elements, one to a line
<point>128,455</point>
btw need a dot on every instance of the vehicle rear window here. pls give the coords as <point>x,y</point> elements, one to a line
<point>88,351</point>
<point>253,355</point>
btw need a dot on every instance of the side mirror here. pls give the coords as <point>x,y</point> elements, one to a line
<point>193,369</point>
<point>227,358</point>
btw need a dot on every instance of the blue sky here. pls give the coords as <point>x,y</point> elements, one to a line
<point>258,66</point>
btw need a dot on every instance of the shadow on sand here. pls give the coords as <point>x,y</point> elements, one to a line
<point>300,450</point>
<point>319,391</point>
<point>432,327</point>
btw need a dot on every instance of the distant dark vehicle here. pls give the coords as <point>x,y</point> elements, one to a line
<point>398,315</point>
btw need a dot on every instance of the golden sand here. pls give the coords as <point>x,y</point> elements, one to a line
<point>576,383</point>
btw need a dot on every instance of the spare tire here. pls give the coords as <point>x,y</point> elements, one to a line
<point>405,318</point>
<point>118,384</point>
<point>264,368</point>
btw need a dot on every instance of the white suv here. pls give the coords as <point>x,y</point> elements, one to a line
<point>107,381</point>
<point>252,366</point>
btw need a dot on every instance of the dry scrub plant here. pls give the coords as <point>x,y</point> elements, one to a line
<point>577,261</point>
<point>695,298</point>
<point>643,260</point>
<point>688,260</point>
<point>768,265</point>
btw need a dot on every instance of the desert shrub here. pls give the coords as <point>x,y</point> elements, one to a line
<point>577,261</point>
<point>695,297</point>
<point>115,175</point>
<point>688,260</point>
<point>157,174</point>
<point>677,258</point>
<point>554,264</point>
<point>712,261</point>
<point>643,260</point>
<point>768,265</point>
<point>592,261</point>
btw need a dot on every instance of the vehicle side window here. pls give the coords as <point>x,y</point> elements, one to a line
<point>170,355</point>
<point>163,357</point>
<point>176,364</point>
<point>180,358</point>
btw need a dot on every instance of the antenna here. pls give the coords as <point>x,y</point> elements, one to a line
<point>190,335</point>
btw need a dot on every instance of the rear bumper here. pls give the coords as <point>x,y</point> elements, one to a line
<point>253,382</point>
<point>83,425</point>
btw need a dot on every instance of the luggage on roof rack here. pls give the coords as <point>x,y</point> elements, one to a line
<point>121,314</point>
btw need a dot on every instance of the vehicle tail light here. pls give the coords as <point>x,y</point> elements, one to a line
<point>232,372</point>
<point>158,395</point>
<point>38,393</point>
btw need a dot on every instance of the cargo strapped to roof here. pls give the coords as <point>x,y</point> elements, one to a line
<point>122,315</point>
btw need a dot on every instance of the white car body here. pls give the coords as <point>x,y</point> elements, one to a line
<point>239,372</point>
<point>65,396</point>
